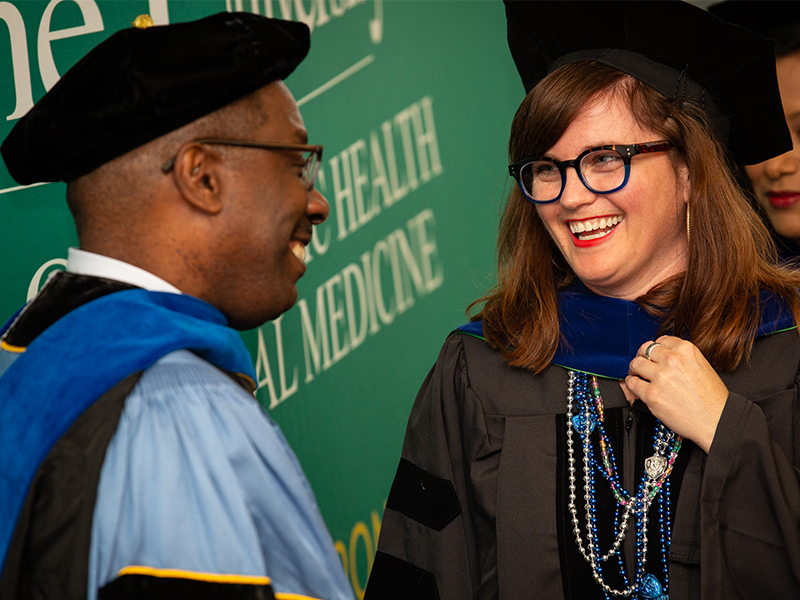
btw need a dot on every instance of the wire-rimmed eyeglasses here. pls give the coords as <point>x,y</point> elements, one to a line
<point>310,166</point>
<point>603,170</point>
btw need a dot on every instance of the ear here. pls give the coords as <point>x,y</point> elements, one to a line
<point>197,175</point>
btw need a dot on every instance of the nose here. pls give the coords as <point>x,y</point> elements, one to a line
<point>575,194</point>
<point>785,164</point>
<point>317,209</point>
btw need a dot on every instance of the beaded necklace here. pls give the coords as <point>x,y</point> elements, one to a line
<point>654,485</point>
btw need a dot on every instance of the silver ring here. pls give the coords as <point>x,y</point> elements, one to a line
<point>649,349</point>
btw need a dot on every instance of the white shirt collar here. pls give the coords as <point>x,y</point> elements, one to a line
<point>82,262</point>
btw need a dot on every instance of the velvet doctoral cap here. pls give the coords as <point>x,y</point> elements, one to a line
<point>778,20</point>
<point>675,48</point>
<point>142,83</point>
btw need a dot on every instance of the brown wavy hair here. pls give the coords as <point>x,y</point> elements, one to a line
<point>715,302</point>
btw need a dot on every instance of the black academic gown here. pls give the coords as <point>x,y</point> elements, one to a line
<point>478,508</point>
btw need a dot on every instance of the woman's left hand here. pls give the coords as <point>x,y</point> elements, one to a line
<point>680,388</point>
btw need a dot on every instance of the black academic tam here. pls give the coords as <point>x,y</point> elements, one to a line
<point>674,47</point>
<point>142,83</point>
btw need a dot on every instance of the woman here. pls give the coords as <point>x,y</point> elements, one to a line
<point>573,442</point>
<point>776,182</point>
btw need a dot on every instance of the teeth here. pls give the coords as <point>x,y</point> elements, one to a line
<point>594,236</point>
<point>299,250</point>
<point>594,225</point>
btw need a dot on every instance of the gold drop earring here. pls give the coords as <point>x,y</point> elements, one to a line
<point>688,224</point>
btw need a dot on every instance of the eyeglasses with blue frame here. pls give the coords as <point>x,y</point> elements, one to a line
<point>603,170</point>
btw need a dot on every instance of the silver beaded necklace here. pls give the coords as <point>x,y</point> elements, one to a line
<point>655,479</point>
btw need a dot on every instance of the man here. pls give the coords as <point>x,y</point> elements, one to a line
<point>136,462</point>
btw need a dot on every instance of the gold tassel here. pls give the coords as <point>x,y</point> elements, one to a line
<point>143,22</point>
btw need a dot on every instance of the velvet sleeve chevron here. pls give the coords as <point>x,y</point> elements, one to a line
<point>429,547</point>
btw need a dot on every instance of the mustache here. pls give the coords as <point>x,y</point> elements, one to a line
<point>303,229</point>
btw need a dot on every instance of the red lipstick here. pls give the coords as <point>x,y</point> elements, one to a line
<point>589,243</point>
<point>783,199</point>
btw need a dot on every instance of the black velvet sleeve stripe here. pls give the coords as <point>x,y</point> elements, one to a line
<point>394,579</point>
<point>137,586</point>
<point>423,497</point>
<point>49,552</point>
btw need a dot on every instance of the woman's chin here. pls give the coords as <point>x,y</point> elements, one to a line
<point>788,228</point>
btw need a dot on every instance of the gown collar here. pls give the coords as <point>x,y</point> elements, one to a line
<point>601,335</point>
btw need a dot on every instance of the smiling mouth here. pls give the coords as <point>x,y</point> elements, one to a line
<point>592,229</point>
<point>298,248</point>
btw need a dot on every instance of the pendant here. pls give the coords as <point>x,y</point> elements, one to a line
<point>655,466</point>
<point>579,423</point>
<point>650,588</point>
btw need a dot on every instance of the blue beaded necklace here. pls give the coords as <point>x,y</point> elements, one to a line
<point>653,487</point>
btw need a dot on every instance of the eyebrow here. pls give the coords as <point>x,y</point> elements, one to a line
<point>584,149</point>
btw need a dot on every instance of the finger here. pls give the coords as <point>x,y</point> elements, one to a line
<point>638,387</point>
<point>649,349</point>
<point>670,342</point>
<point>643,348</point>
<point>641,367</point>
<point>630,397</point>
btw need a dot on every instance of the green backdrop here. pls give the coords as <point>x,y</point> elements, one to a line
<point>413,101</point>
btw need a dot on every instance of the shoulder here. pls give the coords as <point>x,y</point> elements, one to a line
<point>465,354</point>
<point>189,389</point>
<point>186,414</point>
<point>469,342</point>
<point>773,366</point>
<point>183,369</point>
<point>502,388</point>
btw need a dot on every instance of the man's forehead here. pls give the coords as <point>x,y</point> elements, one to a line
<point>281,112</point>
